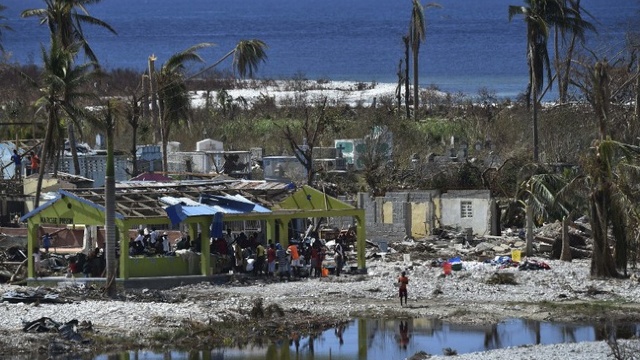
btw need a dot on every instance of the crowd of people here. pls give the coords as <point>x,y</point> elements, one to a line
<point>251,254</point>
<point>149,242</point>
<point>239,253</point>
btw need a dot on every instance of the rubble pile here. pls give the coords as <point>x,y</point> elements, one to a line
<point>448,243</point>
<point>13,255</point>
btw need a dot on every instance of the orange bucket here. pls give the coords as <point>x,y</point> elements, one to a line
<point>446,267</point>
<point>325,272</point>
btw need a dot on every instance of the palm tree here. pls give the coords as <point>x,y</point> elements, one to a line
<point>540,15</point>
<point>62,86</point>
<point>173,98</point>
<point>417,35</point>
<point>65,19</point>
<point>3,26</point>
<point>405,40</point>
<point>247,56</point>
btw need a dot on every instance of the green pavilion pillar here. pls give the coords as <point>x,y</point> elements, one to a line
<point>283,231</point>
<point>32,242</point>
<point>271,230</point>
<point>205,251</point>
<point>124,251</point>
<point>361,243</point>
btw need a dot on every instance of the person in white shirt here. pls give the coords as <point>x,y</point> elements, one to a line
<point>140,239</point>
<point>153,237</point>
<point>165,243</point>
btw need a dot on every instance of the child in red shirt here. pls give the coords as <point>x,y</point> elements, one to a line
<point>403,280</point>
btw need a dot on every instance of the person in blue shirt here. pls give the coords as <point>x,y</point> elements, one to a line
<point>17,163</point>
<point>46,242</point>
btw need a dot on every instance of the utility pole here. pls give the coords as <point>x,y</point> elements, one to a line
<point>153,89</point>
<point>145,97</point>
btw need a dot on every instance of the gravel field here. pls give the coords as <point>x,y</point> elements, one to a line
<point>137,313</point>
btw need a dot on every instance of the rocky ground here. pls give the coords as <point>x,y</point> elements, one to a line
<point>246,309</point>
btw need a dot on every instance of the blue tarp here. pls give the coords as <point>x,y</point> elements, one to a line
<point>210,205</point>
<point>217,226</point>
<point>6,150</point>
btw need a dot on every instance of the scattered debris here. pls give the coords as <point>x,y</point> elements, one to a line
<point>534,265</point>
<point>69,330</point>
<point>33,296</point>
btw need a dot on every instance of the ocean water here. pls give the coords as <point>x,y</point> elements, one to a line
<point>470,43</point>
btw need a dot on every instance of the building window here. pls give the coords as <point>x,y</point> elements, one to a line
<point>466,209</point>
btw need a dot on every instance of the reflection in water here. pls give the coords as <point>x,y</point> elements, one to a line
<point>403,339</point>
<point>397,339</point>
<point>339,330</point>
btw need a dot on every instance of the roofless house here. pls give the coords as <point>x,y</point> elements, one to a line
<point>201,206</point>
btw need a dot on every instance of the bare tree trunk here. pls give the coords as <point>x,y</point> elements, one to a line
<point>406,76</point>
<point>134,121</point>
<point>565,255</point>
<point>638,91</point>
<point>416,85</point>
<point>165,143</point>
<point>563,76</point>
<point>145,97</point>
<point>399,88</point>
<point>44,156</point>
<point>529,224</point>
<point>56,163</point>
<point>534,91</point>
<point>110,209</point>
<point>602,263</point>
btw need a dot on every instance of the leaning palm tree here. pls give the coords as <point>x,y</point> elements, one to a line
<point>247,56</point>
<point>62,86</point>
<point>540,16</point>
<point>417,35</point>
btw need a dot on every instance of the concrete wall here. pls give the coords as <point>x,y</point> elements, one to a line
<point>398,214</point>
<point>417,213</point>
<point>480,200</point>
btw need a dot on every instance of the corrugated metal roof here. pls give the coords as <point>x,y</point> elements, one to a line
<point>142,199</point>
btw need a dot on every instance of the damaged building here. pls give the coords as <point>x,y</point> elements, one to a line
<point>418,213</point>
